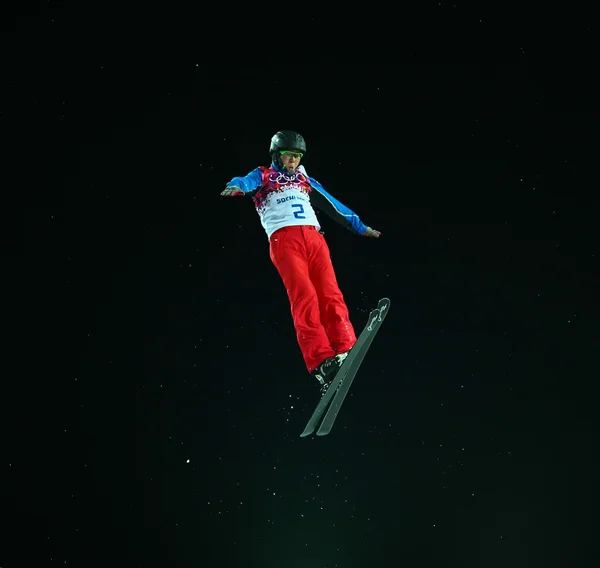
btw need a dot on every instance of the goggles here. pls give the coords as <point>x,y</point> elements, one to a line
<point>291,154</point>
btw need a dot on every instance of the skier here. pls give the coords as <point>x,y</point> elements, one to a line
<point>284,196</point>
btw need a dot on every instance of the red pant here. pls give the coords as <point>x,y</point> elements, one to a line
<point>320,315</point>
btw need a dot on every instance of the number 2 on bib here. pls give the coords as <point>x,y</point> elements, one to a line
<point>299,214</point>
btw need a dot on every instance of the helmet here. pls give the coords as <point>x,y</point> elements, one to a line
<point>287,140</point>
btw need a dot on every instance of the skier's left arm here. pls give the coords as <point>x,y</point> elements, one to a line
<point>338,211</point>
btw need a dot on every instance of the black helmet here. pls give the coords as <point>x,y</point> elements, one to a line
<point>287,140</point>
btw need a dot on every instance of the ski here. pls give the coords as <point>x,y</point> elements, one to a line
<point>348,368</point>
<point>352,368</point>
<point>326,398</point>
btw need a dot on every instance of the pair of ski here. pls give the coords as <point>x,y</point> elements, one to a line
<point>336,393</point>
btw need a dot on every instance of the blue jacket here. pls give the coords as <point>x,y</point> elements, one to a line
<point>319,198</point>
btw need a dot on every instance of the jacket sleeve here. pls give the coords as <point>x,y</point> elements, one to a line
<point>334,209</point>
<point>248,183</point>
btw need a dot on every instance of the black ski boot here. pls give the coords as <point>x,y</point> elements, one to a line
<point>327,370</point>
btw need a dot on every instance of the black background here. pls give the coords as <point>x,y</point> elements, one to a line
<point>153,410</point>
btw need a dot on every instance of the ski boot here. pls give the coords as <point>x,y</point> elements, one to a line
<point>327,370</point>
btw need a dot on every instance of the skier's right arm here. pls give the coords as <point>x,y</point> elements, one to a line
<point>244,185</point>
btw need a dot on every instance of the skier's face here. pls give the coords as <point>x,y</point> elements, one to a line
<point>291,160</point>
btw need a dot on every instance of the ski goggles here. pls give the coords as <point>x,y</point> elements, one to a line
<point>291,154</point>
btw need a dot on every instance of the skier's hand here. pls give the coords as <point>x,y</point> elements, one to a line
<point>372,233</point>
<point>232,191</point>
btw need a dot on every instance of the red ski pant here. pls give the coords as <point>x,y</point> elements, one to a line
<point>319,311</point>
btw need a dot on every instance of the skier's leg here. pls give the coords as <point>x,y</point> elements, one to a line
<point>333,309</point>
<point>289,255</point>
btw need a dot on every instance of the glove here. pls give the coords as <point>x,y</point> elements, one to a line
<point>371,233</point>
<point>232,191</point>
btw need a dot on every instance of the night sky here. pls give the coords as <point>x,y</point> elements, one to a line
<point>158,392</point>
